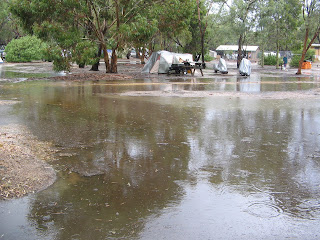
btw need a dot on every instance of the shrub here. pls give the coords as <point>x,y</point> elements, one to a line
<point>61,58</point>
<point>85,53</point>
<point>297,56</point>
<point>25,49</point>
<point>271,60</point>
<point>208,58</point>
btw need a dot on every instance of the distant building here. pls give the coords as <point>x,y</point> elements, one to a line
<point>316,47</point>
<point>213,54</point>
<point>231,51</point>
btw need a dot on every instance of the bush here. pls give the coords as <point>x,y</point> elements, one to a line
<point>85,53</point>
<point>208,58</point>
<point>25,49</point>
<point>297,56</point>
<point>271,60</point>
<point>61,58</point>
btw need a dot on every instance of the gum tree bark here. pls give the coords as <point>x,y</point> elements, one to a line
<point>311,15</point>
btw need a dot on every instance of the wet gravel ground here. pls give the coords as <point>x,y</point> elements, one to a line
<point>23,162</point>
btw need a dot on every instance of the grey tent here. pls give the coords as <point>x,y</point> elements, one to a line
<point>221,66</point>
<point>161,61</point>
<point>245,67</point>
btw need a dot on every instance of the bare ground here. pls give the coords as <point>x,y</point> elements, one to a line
<point>23,162</point>
<point>24,166</point>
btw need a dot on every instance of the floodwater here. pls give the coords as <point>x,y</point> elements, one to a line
<point>169,167</point>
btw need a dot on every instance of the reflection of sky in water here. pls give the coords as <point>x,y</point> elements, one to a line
<point>196,218</point>
<point>250,84</point>
<point>20,73</point>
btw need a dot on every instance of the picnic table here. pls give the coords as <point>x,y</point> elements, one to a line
<point>185,67</point>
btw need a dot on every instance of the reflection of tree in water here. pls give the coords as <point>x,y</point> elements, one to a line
<point>138,147</point>
<point>133,152</point>
<point>263,149</point>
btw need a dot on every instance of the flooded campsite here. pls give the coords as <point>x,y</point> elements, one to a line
<point>148,156</point>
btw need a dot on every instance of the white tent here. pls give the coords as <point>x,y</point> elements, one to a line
<point>245,67</point>
<point>161,61</point>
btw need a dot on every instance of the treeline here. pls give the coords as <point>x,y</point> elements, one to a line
<point>83,31</point>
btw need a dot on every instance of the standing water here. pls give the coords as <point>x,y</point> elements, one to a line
<point>155,167</point>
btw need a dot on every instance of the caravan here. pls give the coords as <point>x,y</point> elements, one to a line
<point>161,61</point>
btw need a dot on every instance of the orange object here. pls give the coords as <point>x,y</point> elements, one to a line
<point>306,65</point>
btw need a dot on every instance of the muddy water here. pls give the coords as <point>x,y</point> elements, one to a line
<point>169,168</point>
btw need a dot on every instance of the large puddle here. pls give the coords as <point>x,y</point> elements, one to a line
<point>169,167</point>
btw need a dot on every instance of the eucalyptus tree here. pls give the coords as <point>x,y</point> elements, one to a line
<point>203,23</point>
<point>166,22</point>
<point>195,41</point>
<point>282,23</point>
<point>69,22</point>
<point>4,16</point>
<point>62,24</point>
<point>220,28</point>
<point>191,36</point>
<point>277,22</point>
<point>141,32</point>
<point>242,15</point>
<point>261,31</point>
<point>174,20</point>
<point>311,20</point>
<point>9,29</point>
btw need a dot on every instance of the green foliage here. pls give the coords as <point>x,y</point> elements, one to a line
<point>271,60</point>
<point>174,23</point>
<point>155,24</point>
<point>61,58</point>
<point>297,56</point>
<point>6,23</point>
<point>141,31</point>
<point>85,53</point>
<point>174,16</point>
<point>25,49</point>
<point>281,22</point>
<point>193,44</point>
<point>208,58</point>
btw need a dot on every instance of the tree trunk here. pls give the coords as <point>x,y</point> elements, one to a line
<point>114,60</point>
<point>202,51</point>
<point>142,55</point>
<point>106,58</point>
<point>239,58</point>
<point>202,33</point>
<point>277,57</point>
<point>304,51</point>
<point>150,49</point>
<point>137,51</point>
<point>306,48</point>
<point>262,57</point>
<point>95,67</point>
